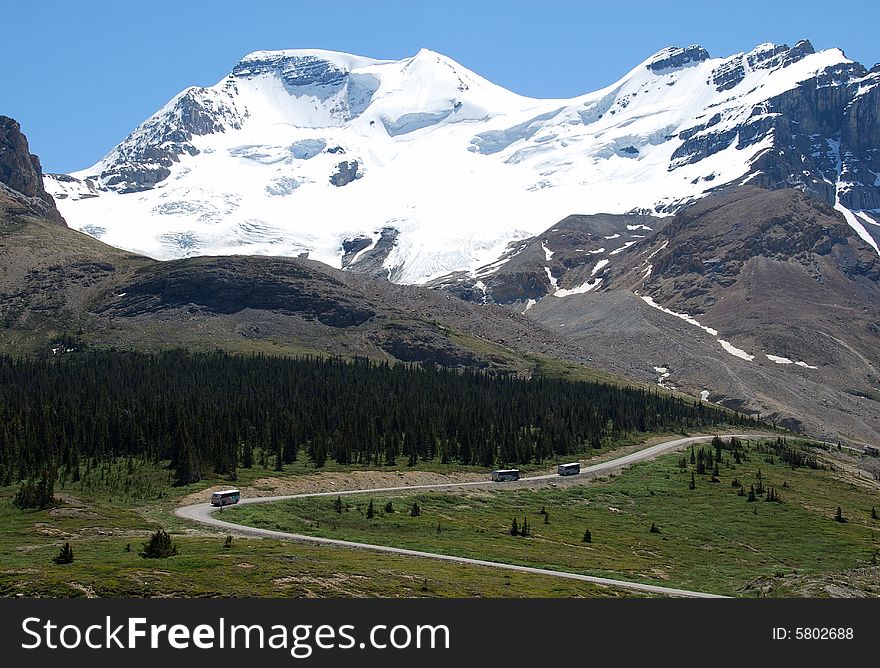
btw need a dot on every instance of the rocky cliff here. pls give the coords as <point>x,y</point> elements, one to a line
<point>20,173</point>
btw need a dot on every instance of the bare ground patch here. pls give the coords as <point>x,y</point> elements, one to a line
<point>333,481</point>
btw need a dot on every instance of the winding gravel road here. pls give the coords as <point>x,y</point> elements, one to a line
<point>204,513</point>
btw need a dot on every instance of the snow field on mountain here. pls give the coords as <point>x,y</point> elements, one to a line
<point>459,166</point>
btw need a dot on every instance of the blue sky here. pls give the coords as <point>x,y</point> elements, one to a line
<point>80,75</point>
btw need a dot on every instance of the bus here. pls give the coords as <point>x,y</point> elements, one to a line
<point>225,497</point>
<point>569,469</point>
<point>501,475</point>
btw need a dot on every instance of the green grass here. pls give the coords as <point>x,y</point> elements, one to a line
<point>117,505</point>
<point>204,568</point>
<point>710,539</point>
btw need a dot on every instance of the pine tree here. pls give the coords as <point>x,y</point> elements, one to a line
<point>65,556</point>
<point>438,527</point>
<point>514,528</point>
<point>228,542</point>
<point>838,515</point>
<point>693,457</point>
<point>389,507</point>
<point>873,513</point>
<point>654,528</point>
<point>588,537</point>
<point>337,505</point>
<point>370,510</point>
<point>160,546</point>
<point>752,496</point>
<point>247,455</point>
<point>279,458</point>
<point>693,482</point>
<point>187,470</point>
<point>415,511</point>
<point>546,517</point>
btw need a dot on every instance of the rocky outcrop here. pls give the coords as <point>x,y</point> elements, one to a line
<point>362,256</point>
<point>346,172</point>
<point>560,258</point>
<point>231,285</point>
<point>20,171</point>
<point>143,159</point>
<point>675,57</point>
<point>823,134</point>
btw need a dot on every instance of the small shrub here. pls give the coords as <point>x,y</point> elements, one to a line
<point>65,556</point>
<point>160,546</point>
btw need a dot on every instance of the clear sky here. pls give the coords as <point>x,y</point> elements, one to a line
<point>79,76</point>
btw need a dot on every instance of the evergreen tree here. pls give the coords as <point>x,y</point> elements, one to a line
<point>654,528</point>
<point>187,470</point>
<point>247,455</point>
<point>546,518</point>
<point>160,546</point>
<point>588,537</point>
<point>279,458</point>
<point>514,528</point>
<point>693,483</point>
<point>228,542</point>
<point>370,510</point>
<point>752,496</point>
<point>838,515</point>
<point>415,511</point>
<point>337,505</point>
<point>389,507</point>
<point>873,513</point>
<point>65,556</point>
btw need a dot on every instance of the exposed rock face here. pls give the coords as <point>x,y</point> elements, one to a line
<point>822,135</point>
<point>562,258</point>
<point>20,171</point>
<point>346,172</point>
<point>144,158</point>
<point>674,57</point>
<point>362,259</point>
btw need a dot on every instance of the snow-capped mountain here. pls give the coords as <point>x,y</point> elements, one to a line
<point>417,168</point>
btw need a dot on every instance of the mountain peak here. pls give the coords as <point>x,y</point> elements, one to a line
<point>674,57</point>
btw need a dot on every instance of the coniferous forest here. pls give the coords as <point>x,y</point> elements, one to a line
<point>210,413</point>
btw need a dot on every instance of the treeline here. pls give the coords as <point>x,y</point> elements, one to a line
<point>212,413</point>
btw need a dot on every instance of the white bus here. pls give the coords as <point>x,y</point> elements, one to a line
<point>500,475</point>
<point>569,469</point>
<point>225,497</point>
